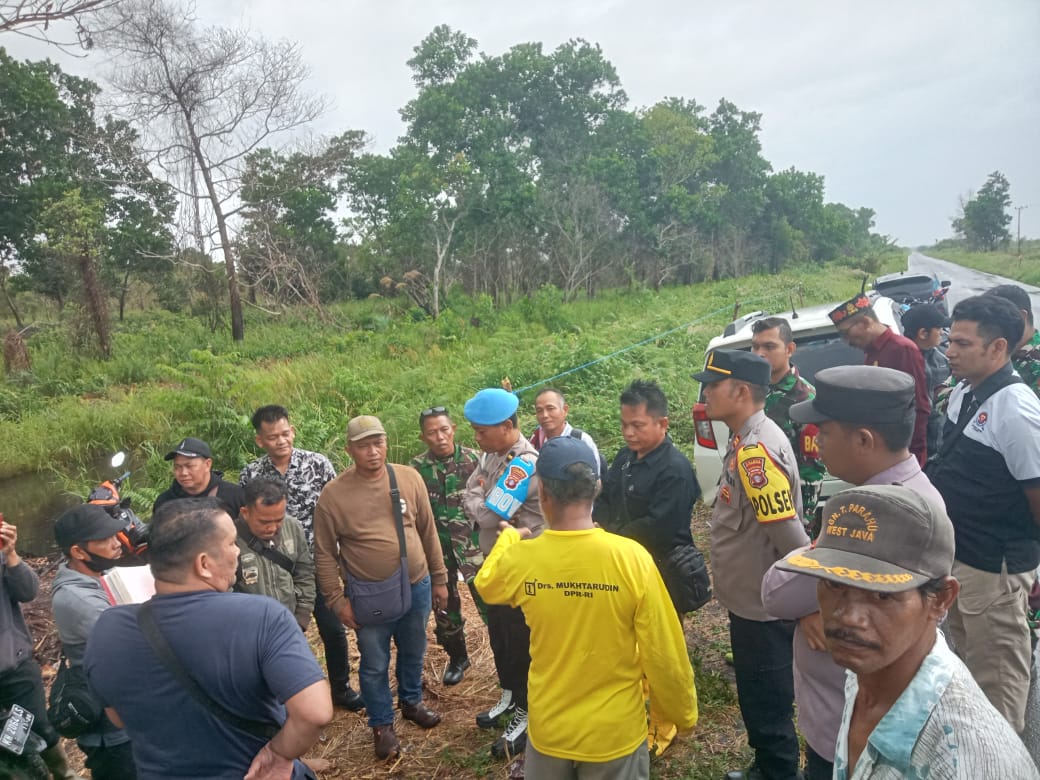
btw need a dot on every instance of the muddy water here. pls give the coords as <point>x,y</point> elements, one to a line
<point>31,502</point>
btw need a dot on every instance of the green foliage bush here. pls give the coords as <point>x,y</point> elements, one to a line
<point>171,377</point>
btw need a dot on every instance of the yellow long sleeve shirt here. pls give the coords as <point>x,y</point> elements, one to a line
<point>600,621</point>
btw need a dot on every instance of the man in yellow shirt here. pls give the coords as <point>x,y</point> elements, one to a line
<point>601,620</point>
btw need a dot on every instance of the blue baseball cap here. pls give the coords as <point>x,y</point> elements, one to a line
<point>559,453</point>
<point>491,406</point>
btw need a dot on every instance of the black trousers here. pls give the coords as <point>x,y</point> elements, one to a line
<point>510,640</point>
<point>816,766</point>
<point>762,660</point>
<point>115,762</point>
<point>23,685</point>
<point>334,637</point>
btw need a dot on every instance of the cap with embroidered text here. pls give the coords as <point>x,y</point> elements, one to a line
<point>883,538</point>
<point>491,406</point>
<point>363,426</point>
<point>190,448</point>
<point>734,364</point>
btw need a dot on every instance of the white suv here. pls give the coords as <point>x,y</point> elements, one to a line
<point>819,347</point>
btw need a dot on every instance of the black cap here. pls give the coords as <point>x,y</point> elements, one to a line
<point>858,394</point>
<point>190,448</point>
<point>734,364</point>
<point>923,315</point>
<point>559,453</point>
<point>84,523</point>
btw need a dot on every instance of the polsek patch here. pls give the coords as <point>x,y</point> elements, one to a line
<point>765,484</point>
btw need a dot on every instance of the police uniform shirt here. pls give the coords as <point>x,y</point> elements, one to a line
<point>756,519</point>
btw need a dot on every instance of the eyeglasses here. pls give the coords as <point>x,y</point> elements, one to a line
<point>433,411</point>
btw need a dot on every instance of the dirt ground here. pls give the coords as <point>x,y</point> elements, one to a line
<point>457,749</point>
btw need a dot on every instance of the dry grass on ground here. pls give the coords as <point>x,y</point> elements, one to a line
<point>457,749</point>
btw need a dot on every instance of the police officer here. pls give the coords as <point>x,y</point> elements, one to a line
<point>504,487</point>
<point>445,466</point>
<point>755,521</point>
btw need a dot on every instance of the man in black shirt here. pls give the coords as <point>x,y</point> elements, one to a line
<point>649,493</point>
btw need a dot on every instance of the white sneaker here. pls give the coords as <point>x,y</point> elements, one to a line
<point>514,738</point>
<point>489,718</point>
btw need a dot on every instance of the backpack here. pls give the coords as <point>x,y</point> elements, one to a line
<point>576,433</point>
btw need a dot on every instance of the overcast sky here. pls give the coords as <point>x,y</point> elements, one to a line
<point>902,105</point>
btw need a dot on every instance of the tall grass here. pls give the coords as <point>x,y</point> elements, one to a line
<point>170,377</point>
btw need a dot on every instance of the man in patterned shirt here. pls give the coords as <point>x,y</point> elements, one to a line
<point>305,474</point>
<point>912,709</point>
<point>772,339</point>
<point>445,467</point>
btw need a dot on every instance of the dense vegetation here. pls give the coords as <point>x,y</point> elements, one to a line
<point>171,377</point>
<point>515,170</point>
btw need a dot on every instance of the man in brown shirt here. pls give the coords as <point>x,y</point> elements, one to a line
<point>355,533</point>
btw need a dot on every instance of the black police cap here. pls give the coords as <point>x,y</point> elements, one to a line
<point>734,364</point>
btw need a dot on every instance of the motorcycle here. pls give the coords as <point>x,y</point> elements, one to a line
<point>20,746</point>
<point>134,536</point>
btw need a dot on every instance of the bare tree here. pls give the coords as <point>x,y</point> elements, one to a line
<point>33,18</point>
<point>205,99</point>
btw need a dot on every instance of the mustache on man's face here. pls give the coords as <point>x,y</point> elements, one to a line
<point>850,637</point>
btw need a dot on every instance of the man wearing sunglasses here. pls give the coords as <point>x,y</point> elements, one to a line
<point>445,466</point>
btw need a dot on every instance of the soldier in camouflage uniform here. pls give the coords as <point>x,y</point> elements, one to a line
<point>445,467</point>
<point>772,340</point>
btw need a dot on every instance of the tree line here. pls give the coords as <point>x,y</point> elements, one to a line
<point>184,178</point>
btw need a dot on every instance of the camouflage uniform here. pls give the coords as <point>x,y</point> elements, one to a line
<point>1027,362</point>
<point>788,391</point>
<point>445,481</point>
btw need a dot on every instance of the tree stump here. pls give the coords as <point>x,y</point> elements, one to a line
<point>16,356</point>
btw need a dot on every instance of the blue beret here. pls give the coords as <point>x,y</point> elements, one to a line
<point>491,406</point>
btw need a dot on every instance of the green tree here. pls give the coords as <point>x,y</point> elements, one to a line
<point>72,236</point>
<point>288,241</point>
<point>985,218</point>
<point>205,99</point>
<point>55,140</point>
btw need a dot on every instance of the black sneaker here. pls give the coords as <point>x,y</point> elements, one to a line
<point>514,738</point>
<point>488,719</point>
<point>348,699</point>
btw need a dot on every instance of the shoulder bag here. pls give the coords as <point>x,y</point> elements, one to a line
<point>382,601</point>
<point>73,710</point>
<point>260,729</point>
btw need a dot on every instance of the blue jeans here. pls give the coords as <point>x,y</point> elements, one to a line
<point>409,634</point>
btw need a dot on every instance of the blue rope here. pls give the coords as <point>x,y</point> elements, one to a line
<point>644,342</point>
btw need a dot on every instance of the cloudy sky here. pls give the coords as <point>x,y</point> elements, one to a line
<point>902,105</point>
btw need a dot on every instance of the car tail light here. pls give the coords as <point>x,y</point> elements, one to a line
<point>702,425</point>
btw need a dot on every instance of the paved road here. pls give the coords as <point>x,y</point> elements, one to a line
<point>965,283</point>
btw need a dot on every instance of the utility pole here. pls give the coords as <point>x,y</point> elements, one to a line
<point>1019,210</point>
